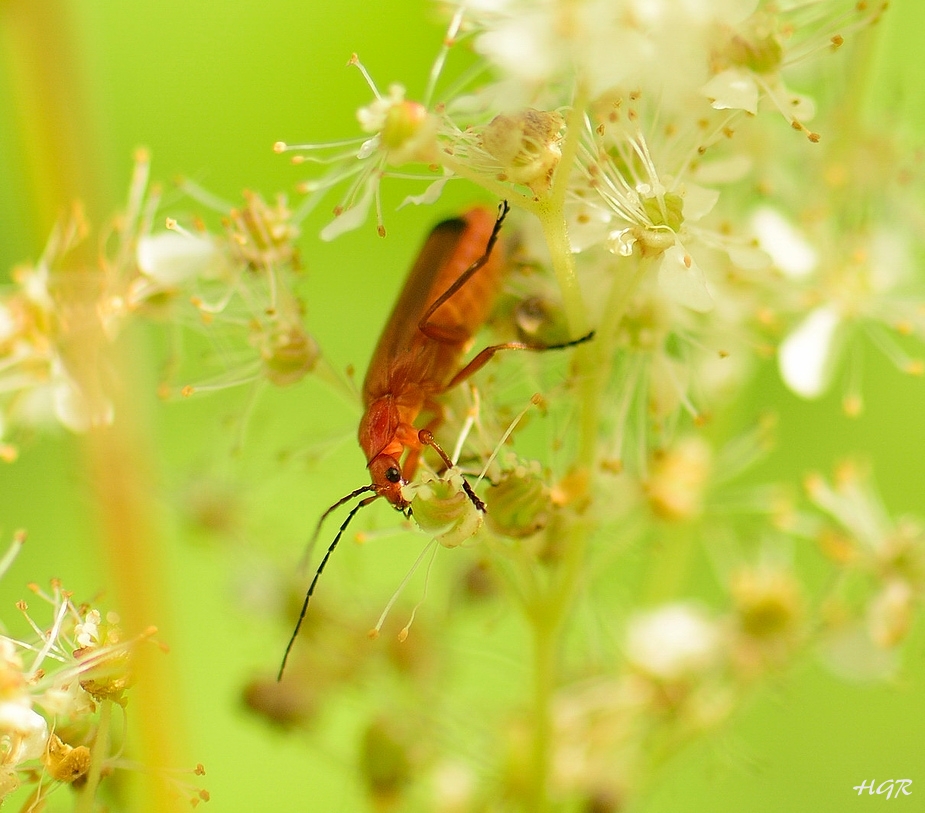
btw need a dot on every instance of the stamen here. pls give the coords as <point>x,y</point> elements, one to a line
<point>204,196</point>
<point>281,146</point>
<point>188,390</point>
<point>888,346</point>
<point>355,62</point>
<point>137,186</point>
<point>534,401</point>
<point>449,40</point>
<point>374,632</point>
<point>403,633</point>
<point>19,538</point>
<point>51,639</point>
<point>471,415</point>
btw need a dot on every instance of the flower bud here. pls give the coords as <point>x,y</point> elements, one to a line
<point>65,763</point>
<point>519,503</point>
<point>442,508</point>
<point>263,235</point>
<point>288,355</point>
<point>526,144</point>
<point>384,762</point>
<point>767,603</point>
<point>890,614</point>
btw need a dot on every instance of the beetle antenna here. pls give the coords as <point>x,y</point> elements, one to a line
<point>307,555</point>
<point>318,572</point>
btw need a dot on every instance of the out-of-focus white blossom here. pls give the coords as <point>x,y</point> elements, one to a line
<point>790,251</point>
<point>806,355</point>
<point>170,258</point>
<point>673,642</point>
<point>601,43</point>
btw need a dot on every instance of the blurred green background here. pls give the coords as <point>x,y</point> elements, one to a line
<point>208,87</point>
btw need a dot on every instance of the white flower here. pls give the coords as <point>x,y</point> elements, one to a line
<point>740,89</point>
<point>641,210</point>
<point>749,63</point>
<point>672,641</point>
<point>442,508</point>
<point>169,258</point>
<point>659,45</point>
<point>864,282</point>
<point>402,132</point>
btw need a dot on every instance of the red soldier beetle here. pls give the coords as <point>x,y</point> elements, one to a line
<point>453,286</point>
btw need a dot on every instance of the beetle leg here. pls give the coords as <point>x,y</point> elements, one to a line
<point>485,355</point>
<point>413,441</point>
<point>427,439</point>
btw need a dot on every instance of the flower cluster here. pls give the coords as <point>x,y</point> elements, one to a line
<point>59,683</point>
<point>652,163</point>
<point>235,286</point>
<point>689,181</point>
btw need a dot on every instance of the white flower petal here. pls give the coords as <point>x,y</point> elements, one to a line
<point>789,250</point>
<point>698,201</point>
<point>588,226</point>
<point>429,195</point>
<point>521,47</point>
<point>850,654</point>
<point>7,324</point>
<point>672,641</point>
<point>29,728</point>
<point>683,280</point>
<point>723,170</point>
<point>170,257</point>
<point>350,219</point>
<point>369,147</point>
<point>806,356</point>
<point>749,259</point>
<point>733,89</point>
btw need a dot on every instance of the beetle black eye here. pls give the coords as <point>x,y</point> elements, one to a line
<point>392,474</point>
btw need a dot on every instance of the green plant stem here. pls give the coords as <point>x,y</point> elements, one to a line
<point>554,598</point>
<point>548,613</point>
<point>551,601</point>
<point>551,213</point>
<point>87,795</point>
<point>593,384</point>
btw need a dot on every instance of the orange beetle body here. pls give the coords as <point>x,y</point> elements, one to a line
<point>419,352</point>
